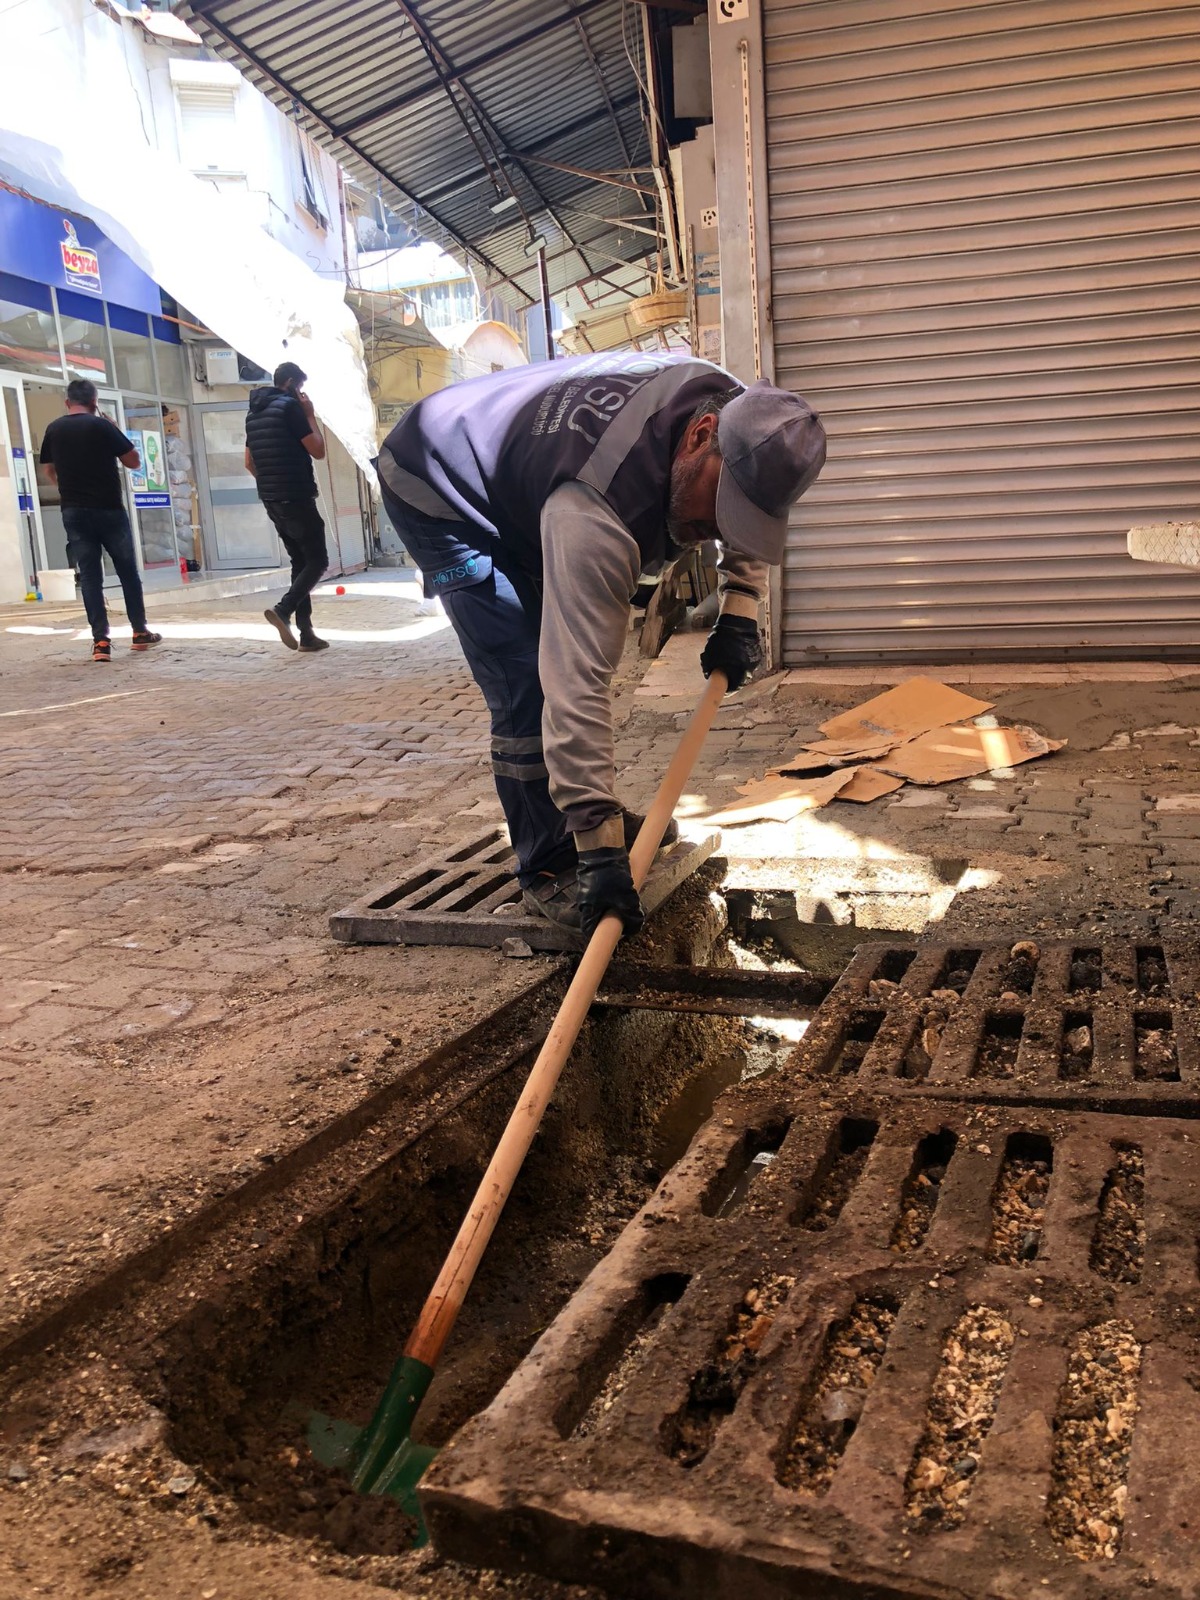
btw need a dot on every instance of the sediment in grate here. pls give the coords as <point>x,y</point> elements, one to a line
<point>877,1406</point>
<point>1115,1026</point>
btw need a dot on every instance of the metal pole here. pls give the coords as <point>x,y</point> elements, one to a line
<point>546,317</point>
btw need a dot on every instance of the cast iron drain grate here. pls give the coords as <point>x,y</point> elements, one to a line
<point>1078,1023</point>
<point>886,1348</point>
<point>467,895</point>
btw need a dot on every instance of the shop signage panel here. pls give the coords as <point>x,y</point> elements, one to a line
<point>52,246</point>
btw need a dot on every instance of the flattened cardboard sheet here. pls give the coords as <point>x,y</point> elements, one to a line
<point>902,713</point>
<point>946,754</point>
<point>778,799</point>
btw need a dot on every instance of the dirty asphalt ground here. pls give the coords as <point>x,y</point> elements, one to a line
<point>176,828</point>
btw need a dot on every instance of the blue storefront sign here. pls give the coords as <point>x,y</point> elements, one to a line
<point>149,500</point>
<point>47,245</point>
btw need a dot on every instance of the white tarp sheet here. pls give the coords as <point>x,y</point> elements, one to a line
<point>73,132</point>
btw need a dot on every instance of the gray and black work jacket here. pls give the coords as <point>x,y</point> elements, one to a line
<point>568,465</point>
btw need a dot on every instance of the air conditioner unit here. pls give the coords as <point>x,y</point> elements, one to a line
<point>222,365</point>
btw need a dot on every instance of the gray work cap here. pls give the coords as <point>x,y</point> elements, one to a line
<point>772,447</point>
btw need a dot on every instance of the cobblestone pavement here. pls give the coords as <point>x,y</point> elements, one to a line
<point>176,828</point>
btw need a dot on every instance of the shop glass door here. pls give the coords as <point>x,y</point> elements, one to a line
<point>44,402</point>
<point>21,550</point>
<point>242,532</point>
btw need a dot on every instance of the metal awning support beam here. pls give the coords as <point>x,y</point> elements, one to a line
<point>488,59</point>
<point>457,186</point>
<point>235,44</point>
<point>444,67</point>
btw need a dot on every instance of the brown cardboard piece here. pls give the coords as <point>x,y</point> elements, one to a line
<point>778,799</point>
<point>867,784</point>
<point>945,754</point>
<point>902,713</point>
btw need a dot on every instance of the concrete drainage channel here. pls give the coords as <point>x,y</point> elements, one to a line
<point>912,1313</point>
<point>300,1290</point>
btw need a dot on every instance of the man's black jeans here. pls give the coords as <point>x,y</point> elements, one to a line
<point>302,534</point>
<point>89,534</point>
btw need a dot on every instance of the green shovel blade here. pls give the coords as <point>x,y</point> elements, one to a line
<point>382,1457</point>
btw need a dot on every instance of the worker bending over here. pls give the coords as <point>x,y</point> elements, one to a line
<point>532,500</point>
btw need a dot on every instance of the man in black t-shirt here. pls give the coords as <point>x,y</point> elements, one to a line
<point>80,452</point>
<point>282,442</point>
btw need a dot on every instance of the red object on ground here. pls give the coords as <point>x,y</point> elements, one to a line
<point>183,568</point>
<point>341,589</point>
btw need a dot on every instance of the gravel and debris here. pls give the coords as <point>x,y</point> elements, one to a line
<point>1000,1046</point>
<point>1086,971</point>
<point>962,1406</point>
<point>1152,977</point>
<point>922,1190</point>
<point>714,1390</point>
<point>622,1371</point>
<point>1018,1209</point>
<point>1078,1046</point>
<point>850,1362</point>
<point>1093,1436</point>
<point>1156,1056</point>
<point>1119,1242</point>
<point>936,1010</point>
<point>836,1184</point>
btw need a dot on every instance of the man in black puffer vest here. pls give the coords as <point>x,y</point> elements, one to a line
<point>282,442</point>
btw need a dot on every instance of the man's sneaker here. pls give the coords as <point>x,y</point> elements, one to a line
<point>633,824</point>
<point>555,896</point>
<point>101,650</point>
<point>282,626</point>
<point>310,642</point>
<point>144,639</point>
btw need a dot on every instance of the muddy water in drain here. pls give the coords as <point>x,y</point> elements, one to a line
<point>1093,1433</point>
<point>693,1105</point>
<point>962,1407</point>
<point>849,1363</point>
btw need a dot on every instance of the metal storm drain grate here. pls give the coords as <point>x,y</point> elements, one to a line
<point>469,896</point>
<point>1110,1024</point>
<point>888,1348</point>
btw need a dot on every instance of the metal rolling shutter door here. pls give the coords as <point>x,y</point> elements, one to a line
<point>985,243</point>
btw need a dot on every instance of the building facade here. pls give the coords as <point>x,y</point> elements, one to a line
<point>72,304</point>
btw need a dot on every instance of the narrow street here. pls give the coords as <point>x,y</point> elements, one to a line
<point>176,830</point>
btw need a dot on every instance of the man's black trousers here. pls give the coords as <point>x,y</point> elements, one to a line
<point>302,534</point>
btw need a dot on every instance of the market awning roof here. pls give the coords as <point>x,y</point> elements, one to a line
<point>458,107</point>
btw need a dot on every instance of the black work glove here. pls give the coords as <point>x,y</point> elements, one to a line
<point>606,884</point>
<point>733,648</point>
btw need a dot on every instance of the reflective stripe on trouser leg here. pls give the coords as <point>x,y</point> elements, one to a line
<point>506,762</point>
<point>498,630</point>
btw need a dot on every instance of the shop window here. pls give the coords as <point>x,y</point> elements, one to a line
<point>85,341</point>
<point>181,476</point>
<point>28,336</point>
<point>130,334</point>
<point>151,484</point>
<point>171,360</point>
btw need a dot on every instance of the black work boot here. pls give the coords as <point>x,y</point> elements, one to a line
<point>633,824</point>
<point>554,895</point>
<point>310,642</point>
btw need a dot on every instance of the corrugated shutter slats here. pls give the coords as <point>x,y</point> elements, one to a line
<point>985,251</point>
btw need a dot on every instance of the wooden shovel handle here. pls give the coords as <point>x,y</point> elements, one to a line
<point>441,1309</point>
